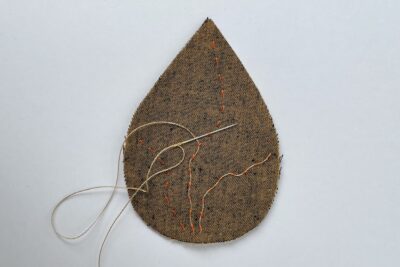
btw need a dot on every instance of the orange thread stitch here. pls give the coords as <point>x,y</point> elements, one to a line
<point>190,185</point>
<point>166,184</point>
<point>182,226</point>
<point>173,211</point>
<point>153,151</point>
<point>219,180</point>
<point>167,199</point>
<point>220,79</point>
<point>213,44</point>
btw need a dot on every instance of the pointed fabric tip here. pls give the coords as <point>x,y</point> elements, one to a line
<point>205,88</point>
<point>208,20</point>
<point>208,24</point>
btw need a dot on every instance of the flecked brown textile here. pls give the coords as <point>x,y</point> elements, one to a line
<point>204,88</point>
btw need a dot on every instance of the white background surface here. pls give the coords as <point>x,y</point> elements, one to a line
<point>73,72</point>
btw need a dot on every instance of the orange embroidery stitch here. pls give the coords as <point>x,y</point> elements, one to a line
<point>221,82</point>
<point>201,215</point>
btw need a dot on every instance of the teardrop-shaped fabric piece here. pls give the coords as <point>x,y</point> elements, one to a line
<point>205,88</point>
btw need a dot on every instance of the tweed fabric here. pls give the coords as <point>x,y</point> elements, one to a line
<point>204,88</point>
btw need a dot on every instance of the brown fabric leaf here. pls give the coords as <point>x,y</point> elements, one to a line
<point>204,88</point>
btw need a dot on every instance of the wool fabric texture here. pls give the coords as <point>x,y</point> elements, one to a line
<point>204,88</point>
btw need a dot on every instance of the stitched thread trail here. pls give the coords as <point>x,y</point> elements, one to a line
<point>220,79</point>
<point>115,187</point>
<point>201,215</point>
<point>144,186</point>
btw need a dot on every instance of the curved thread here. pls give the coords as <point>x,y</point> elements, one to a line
<point>137,189</point>
<point>93,223</point>
<point>190,187</point>
<point>219,180</point>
